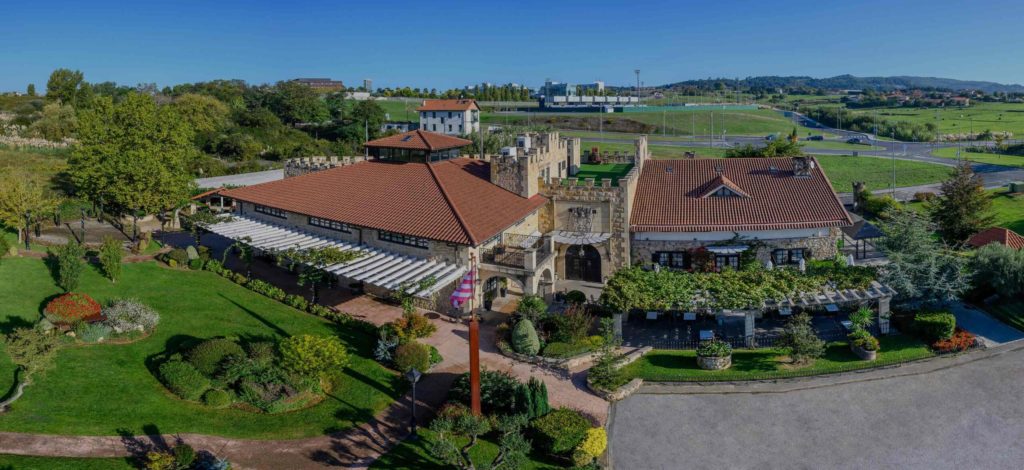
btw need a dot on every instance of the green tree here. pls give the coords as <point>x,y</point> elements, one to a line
<point>801,339</point>
<point>294,102</point>
<point>312,355</point>
<point>456,436</point>
<point>58,122</point>
<point>963,208</point>
<point>32,351</point>
<point>70,263</point>
<point>532,307</point>
<point>133,155</point>
<point>31,89</point>
<point>313,263</point>
<point>68,87</point>
<point>369,115</point>
<point>1000,268</point>
<point>202,113</point>
<point>110,256</point>
<point>920,267</point>
<point>775,148</point>
<point>21,196</point>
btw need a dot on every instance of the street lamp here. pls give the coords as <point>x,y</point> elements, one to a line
<point>28,225</point>
<point>414,376</point>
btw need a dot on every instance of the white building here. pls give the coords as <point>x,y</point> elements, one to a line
<point>452,117</point>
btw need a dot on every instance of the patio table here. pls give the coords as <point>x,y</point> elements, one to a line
<point>706,335</point>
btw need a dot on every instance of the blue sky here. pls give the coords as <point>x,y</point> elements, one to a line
<point>450,44</point>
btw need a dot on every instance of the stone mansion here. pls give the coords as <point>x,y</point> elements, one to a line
<point>532,218</point>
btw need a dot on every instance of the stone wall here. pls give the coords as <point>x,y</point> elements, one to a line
<point>301,166</point>
<point>820,247</point>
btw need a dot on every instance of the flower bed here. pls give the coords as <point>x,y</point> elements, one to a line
<point>72,308</point>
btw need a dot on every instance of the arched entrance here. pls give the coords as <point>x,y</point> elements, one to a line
<point>502,293</point>
<point>545,285</point>
<point>583,263</point>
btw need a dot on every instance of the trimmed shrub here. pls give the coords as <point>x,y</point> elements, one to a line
<point>962,340</point>
<point>412,326</point>
<point>208,356</point>
<point>111,254</point>
<point>265,288</point>
<point>179,256</point>
<point>525,339</point>
<point>935,326</point>
<point>71,308</point>
<point>213,266</point>
<point>435,356</point>
<point>296,302</point>
<point>92,332</point>
<point>593,445</point>
<point>217,398</point>
<point>412,354</point>
<point>498,392</point>
<point>311,355</point>
<point>863,339</point>
<point>560,349</point>
<point>183,379</point>
<point>560,431</point>
<point>195,264</point>
<point>239,278</point>
<point>125,315</point>
<point>69,265</point>
<point>576,297</point>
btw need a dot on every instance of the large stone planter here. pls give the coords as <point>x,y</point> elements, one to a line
<point>714,363</point>
<point>864,354</point>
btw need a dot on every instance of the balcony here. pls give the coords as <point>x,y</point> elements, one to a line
<point>521,252</point>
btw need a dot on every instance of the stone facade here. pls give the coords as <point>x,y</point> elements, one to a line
<point>301,166</point>
<point>821,247</point>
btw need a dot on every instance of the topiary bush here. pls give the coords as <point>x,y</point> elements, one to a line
<point>560,431</point>
<point>183,379</point>
<point>525,339</point>
<point>935,326</point>
<point>217,398</point>
<point>412,354</point>
<point>69,264</point>
<point>312,355</point>
<point>208,356</point>
<point>92,332</point>
<point>125,315</point>
<point>72,308</point>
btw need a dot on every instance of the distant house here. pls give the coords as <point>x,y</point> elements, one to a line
<point>452,117</point>
<point>400,126</point>
<point>1001,235</point>
<point>960,101</point>
<point>321,84</point>
<point>357,95</point>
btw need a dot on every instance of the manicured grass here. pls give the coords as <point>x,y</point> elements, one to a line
<point>843,170</point>
<point>1008,211</point>
<point>657,151</point>
<point>414,455</point>
<point>612,171</point>
<point>953,120</point>
<point>761,364</point>
<point>21,462</point>
<point>1010,312</point>
<point>105,388</point>
<point>980,157</point>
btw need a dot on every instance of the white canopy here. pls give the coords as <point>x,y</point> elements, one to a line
<point>376,267</point>
<point>727,250</point>
<point>580,238</point>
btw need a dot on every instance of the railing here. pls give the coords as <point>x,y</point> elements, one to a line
<point>518,251</point>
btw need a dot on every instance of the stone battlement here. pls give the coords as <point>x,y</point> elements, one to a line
<point>301,166</point>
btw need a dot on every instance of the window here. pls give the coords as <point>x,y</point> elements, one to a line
<point>449,127</point>
<point>672,259</point>
<point>459,128</point>
<point>402,239</point>
<point>270,211</point>
<point>449,114</point>
<point>780,257</point>
<point>433,127</point>
<point>727,261</point>
<point>724,192</point>
<point>330,224</point>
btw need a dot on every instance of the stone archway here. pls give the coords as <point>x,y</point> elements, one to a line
<point>583,263</point>
<point>545,284</point>
<point>503,291</point>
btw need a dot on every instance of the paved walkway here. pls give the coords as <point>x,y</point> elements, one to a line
<point>993,332</point>
<point>959,412</point>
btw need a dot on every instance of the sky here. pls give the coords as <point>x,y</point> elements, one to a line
<point>445,44</point>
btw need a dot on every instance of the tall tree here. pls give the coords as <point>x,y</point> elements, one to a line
<point>21,196</point>
<point>963,207</point>
<point>31,89</point>
<point>58,122</point>
<point>368,114</point>
<point>133,155</point>
<point>920,267</point>
<point>202,113</point>
<point>67,86</point>
<point>294,102</point>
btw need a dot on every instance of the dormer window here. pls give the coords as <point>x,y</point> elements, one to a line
<point>723,187</point>
<point>725,192</point>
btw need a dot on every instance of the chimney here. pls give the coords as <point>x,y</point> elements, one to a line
<point>802,167</point>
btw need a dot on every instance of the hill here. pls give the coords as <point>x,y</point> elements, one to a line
<point>841,82</point>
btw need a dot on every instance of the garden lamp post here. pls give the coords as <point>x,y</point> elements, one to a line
<point>82,223</point>
<point>414,376</point>
<point>28,225</point>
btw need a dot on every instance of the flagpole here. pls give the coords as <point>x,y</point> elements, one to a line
<point>474,345</point>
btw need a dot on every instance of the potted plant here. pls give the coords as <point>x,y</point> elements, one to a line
<point>864,345</point>
<point>488,300</point>
<point>503,287</point>
<point>714,355</point>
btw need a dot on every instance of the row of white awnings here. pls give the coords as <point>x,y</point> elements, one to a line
<point>727,250</point>
<point>375,267</point>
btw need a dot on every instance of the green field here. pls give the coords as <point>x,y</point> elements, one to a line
<point>1007,211</point>
<point>657,151</point>
<point>766,364</point>
<point>104,388</point>
<point>40,165</point>
<point>980,157</point>
<point>674,123</point>
<point>843,170</point>
<point>21,462</point>
<point>986,116</point>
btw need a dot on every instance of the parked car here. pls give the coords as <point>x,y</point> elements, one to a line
<point>770,137</point>
<point>853,140</point>
<point>815,137</point>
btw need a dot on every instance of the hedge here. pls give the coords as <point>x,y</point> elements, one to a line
<point>183,379</point>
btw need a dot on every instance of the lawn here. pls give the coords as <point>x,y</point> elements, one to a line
<point>1007,211</point>
<point>612,171</point>
<point>673,123</point>
<point>843,170</point>
<point>104,389</point>
<point>990,158</point>
<point>953,120</point>
<point>657,151</point>
<point>1010,312</point>
<point>21,462</point>
<point>765,364</point>
<point>415,455</point>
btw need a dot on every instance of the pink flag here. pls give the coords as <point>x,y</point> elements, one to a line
<point>465,290</point>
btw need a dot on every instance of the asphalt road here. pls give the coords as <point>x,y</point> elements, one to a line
<point>968,416</point>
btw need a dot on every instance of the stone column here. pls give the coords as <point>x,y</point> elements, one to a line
<point>617,325</point>
<point>748,328</point>
<point>883,314</point>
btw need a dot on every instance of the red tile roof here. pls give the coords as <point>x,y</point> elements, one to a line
<point>997,235</point>
<point>669,197</point>
<point>448,105</point>
<point>719,182</point>
<point>452,201</point>
<point>419,140</point>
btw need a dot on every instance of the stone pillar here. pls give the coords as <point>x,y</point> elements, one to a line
<point>883,315</point>
<point>617,325</point>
